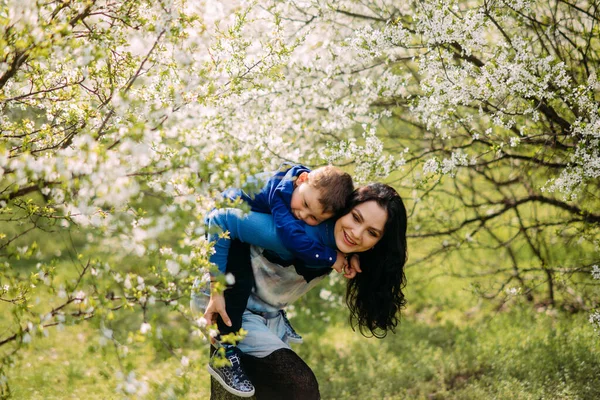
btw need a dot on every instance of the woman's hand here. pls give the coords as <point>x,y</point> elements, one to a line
<point>347,266</point>
<point>340,263</point>
<point>216,307</point>
<point>354,267</point>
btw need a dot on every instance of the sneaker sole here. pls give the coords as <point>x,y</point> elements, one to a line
<point>231,390</point>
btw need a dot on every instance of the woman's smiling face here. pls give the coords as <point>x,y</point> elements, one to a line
<point>361,228</point>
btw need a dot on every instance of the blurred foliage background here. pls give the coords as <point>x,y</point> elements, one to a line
<point>122,121</point>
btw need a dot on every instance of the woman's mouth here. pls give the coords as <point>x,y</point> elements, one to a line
<point>348,241</point>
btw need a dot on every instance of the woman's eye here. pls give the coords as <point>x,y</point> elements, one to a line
<point>355,217</point>
<point>373,233</point>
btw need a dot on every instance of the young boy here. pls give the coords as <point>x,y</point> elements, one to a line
<point>293,195</point>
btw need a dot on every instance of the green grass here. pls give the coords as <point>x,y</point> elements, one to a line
<point>64,365</point>
<point>450,345</point>
<point>518,354</point>
<point>73,365</point>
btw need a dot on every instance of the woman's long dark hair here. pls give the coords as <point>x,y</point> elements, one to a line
<point>375,296</point>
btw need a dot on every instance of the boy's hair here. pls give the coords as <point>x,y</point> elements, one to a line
<point>334,185</point>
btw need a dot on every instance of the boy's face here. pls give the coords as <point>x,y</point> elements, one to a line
<point>305,202</point>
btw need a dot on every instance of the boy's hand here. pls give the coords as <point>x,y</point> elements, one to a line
<point>340,263</point>
<point>354,267</point>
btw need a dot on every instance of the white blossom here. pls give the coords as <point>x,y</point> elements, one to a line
<point>79,296</point>
<point>595,272</point>
<point>201,322</point>
<point>325,294</point>
<point>594,319</point>
<point>173,267</point>
<point>107,333</point>
<point>130,385</point>
<point>431,166</point>
<point>145,328</point>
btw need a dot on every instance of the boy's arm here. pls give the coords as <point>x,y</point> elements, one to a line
<point>293,236</point>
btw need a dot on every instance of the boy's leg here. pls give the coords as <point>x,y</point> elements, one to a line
<point>232,377</point>
<point>253,228</point>
<point>216,224</point>
<point>233,256</point>
<point>259,229</point>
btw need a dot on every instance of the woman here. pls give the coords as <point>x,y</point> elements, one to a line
<point>374,228</point>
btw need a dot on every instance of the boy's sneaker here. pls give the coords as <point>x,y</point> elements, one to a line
<point>232,377</point>
<point>292,335</point>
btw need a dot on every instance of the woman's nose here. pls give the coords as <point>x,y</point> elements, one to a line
<point>356,235</point>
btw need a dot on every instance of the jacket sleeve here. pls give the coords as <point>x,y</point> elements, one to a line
<point>293,236</point>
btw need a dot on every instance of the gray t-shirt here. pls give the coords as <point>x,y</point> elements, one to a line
<point>276,286</point>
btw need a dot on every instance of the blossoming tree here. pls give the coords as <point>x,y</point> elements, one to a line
<point>121,121</point>
<point>492,110</point>
<point>114,143</point>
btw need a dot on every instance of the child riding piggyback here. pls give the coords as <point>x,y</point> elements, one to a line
<point>295,196</point>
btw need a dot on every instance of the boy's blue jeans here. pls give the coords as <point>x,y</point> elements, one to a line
<point>254,228</point>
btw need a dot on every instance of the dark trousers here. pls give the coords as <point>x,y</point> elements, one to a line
<point>280,375</point>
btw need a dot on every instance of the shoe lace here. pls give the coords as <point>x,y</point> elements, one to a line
<point>234,359</point>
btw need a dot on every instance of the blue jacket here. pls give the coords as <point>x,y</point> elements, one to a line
<point>275,198</point>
